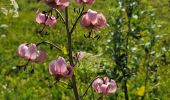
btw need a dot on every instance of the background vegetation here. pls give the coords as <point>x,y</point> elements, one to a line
<point>148,51</point>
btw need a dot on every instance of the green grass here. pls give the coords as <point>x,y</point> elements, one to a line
<point>40,85</point>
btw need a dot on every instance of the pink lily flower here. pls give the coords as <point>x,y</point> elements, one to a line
<point>41,56</point>
<point>85,1</point>
<point>30,52</point>
<point>93,20</point>
<point>60,4</point>
<point>59,68</point>
<point>79,55</point>
<point>45,19</point>
<point>104,85</point>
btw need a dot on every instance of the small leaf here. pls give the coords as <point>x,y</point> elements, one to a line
<point>141,91</point>
<point>64,50</point>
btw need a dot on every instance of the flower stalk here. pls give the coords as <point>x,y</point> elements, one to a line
<point>70,55</point>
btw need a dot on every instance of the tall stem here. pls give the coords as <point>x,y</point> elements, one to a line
<point>70,55</point>
<point>126,62</point>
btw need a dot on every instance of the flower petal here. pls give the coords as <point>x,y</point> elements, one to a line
<point>41,56</point>
<point>112,87</point>
<point>97,85</point>
<point>40,18</point>
<point>31,53</point>
<point>85,21</point>
<point>51,21</point>
<point>79,55</point>
<point>106,80</point>
<point>79,1</point>
<point>92,16</point>
<point>69,71</point>
<point>88,1</point>
<point>104,88</point>
<point>101,21</point>
<point>61,67</point>
<point>62,3</point>
<point>52,68</point>
<point>22,50</point>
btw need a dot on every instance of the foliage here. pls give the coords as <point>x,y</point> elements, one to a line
<point>148,49</point>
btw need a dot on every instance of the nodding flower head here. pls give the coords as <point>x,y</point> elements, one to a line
<point>93,20</point>
<point>30,52</point>
<point>45,19</point>
<point>104,85</point>
<point>59,4</point>
<point>79,55</point>
<point>85,1</point>
<point>59,68</point>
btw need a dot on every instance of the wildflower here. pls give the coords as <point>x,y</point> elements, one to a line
<point>85,1</point>
<point>60,4</point>
<point>45,19</point>
<point>93,20</point>
<point>30,52</point>
<point>79,55</point>
<point>59,68</point>
<point>104,85</point>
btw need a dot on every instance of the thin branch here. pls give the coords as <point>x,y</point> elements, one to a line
<point>70,55</point>
<point>60,15</point>
<point>47,42</point>
<point>89,87</point>
<point>75,23</point>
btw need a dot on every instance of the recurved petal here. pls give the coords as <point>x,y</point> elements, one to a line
<point>101,21</point>
<point>97,85</point>
<point>79,1</point>
<point>104,88</point>
<point>69,71</point>
<point>62,3</point>
<point>22,50</point>
<point>41,18</point>
<point>112,87</point>
<point>106,80</point>
<point>51,21</point>
<point>48,1</point>
<point>79,55</point>
<point>31,53</point>
<point>85,21</point>
<point>61,67</point>
<point>41,56</point>
<point>52,68</point>
<point>88,1</point>
<point>92,16</point>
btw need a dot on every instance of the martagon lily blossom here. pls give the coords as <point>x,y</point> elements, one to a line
<point>59,68</point>
<point>59,4</point>
<point>30,52</point>
<point>79,55</point>
<point>93,20</point>
<point>85,1</point>
<point>44,19</point>
<point>104,85</point>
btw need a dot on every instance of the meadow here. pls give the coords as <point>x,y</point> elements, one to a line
<point>133,49</point>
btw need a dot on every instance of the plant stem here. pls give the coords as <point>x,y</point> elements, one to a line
<point>126,62</point>
<point>70,55</point>
<point>89,87</point>
<point>49,43</point>
<point>57,11</point>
